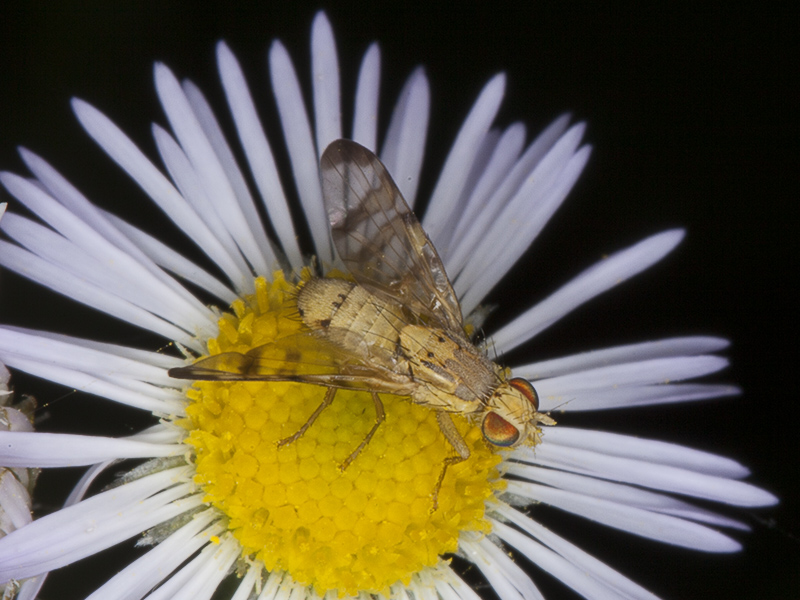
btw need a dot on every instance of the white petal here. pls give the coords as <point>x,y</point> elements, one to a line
<point>87,479</point>
<point>621,494</point>
<point>258,152</point>
<point>207,166</point>
<point>365,121</point>
<point>503,157</point>
<point>654,451</point>
<point>95,524</point>
<point>125,153</point>
<point>456,169</point>
<point>98,262</point>
<point>299,141</point>
<point>64,352</point>
<point>38,449</point>
<point>685,346</point>
<point>325,79</point>
<point>143,574</point>
<point>587,564</point>
<point>166,257</point>
<point>472,234</point>
<point>553,564</point>
<point>404,146</point>
<point>63,191</point>
<point>592,282</point>
<point>507,579</point>
<point>184,174</point>
<point>261,256</point>
<point>645,372</point>
<point>646,395</point>
<point>42,272</point>
<point>91,384</point>
<point>248,582</point>
<point>663,528</point>
<point>651,475</point>
<point>515,229</point>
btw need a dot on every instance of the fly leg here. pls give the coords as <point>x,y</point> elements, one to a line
<point>380,415</point>
<point>459,445</point>
<point>326,402</point>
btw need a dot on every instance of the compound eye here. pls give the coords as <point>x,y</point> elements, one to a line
<point>498,431</point>
<point>524,386</point>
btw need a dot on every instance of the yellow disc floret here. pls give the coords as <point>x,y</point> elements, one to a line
<point>292,507</point>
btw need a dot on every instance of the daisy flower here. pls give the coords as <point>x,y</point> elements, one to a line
<point>212,495</point>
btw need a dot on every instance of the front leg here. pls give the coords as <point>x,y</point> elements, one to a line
<point>451,433</point>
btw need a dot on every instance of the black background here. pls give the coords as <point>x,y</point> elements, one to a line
<point>692,111</point>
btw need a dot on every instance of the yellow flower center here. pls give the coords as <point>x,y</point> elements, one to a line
<point>292,507</point>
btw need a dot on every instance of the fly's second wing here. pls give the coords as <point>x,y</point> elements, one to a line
<point>379,238</point>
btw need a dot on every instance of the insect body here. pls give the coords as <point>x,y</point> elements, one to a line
<point>397,328</point>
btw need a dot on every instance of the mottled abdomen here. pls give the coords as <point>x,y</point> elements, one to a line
<point>348,315</point>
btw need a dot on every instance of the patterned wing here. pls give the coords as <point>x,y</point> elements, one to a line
<point>379,238</point>
<point>305,358</point>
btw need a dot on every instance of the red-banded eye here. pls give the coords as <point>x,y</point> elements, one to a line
<point>498,431</point>
<point>524,386</point>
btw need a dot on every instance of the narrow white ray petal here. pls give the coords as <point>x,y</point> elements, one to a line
<point>653,451</point>
<point>62,352</point>
<point>645,372</point>
<point>198,580</point>
<point>63,191</point>
<point>262,256</point>
<point>38,449</point>
<point>523,225</point>
<point>125,153</point>
<point>504,154</point>
<point>587,565</point>
<point>29,589</point>
<point>507,579</point>
<point>663,528</point>
<point>87,479</point>
<point>365,121</point>
<point>621,494</point>
<point>110,269</point>
<point>258,152</point>
<point>166,257</point>
<point>685,346</point>
<point>559,167</point>
<point>91,384</point>
<point>647,395</point>
<point>210,173</point>
<point>142,575</point>
<point>590,283</point>
<point>473,233</point>
<point>42,272</point>
<point>488,145</point>
<point>156,359</point>
<point>404,146</point>
<point>99,522</point>
<point>300,143</point>
<point>450,586</point>
<point>555,565</point>
<point>184,174</point>
<point>459,161</point>
<point>325,80</point>
<point>647,474</point>
<point>248,583</point>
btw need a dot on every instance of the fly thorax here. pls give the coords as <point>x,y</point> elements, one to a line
<point>449,370</point>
